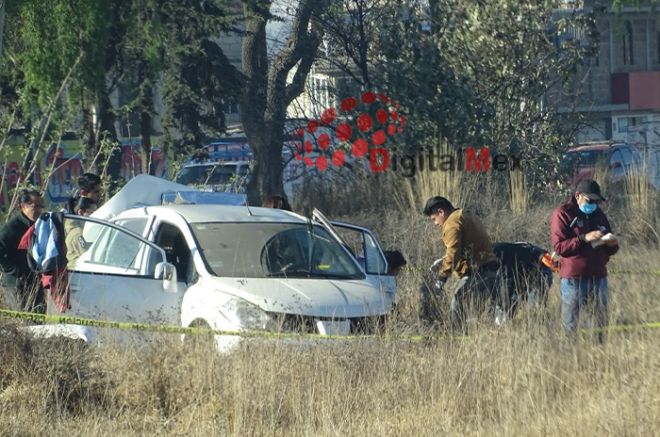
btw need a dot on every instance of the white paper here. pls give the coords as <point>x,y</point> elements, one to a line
<point>605,238</point>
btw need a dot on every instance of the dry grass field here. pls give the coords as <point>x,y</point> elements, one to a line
<point>524,378</point>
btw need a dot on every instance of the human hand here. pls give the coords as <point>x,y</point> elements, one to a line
<point>436,266</point>
<point>439,285</point>
<point>593,236</point>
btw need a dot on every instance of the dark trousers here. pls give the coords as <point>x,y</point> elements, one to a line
<point>23,298</point>
<point>476,291</point>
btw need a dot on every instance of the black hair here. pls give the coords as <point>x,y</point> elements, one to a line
<point>394,259</point>
<point>88,181</point>
<point>278,201</point>
<point>435,203</point>
<point>25,195</point>
<point>76,203</point>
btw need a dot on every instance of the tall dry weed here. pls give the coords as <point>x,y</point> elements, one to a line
<point>519,192</point>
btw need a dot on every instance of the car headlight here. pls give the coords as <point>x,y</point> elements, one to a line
<point>249,316</point>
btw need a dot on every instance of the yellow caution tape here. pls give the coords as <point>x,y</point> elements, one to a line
<point>171,329</point>
<point>611,272</point>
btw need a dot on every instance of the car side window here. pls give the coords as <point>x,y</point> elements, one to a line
<point>375,259</point>
<point>616,160</point>
<point>364,248</point>
<point>626,156</point>
<point>136,225</point>
<point>107,249</point>
<point>116,249</point>
<point>170,238</point>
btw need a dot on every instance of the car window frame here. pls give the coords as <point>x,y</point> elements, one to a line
<point>121,229</point>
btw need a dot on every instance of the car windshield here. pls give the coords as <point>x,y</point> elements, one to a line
<point>259,250</point>
<point>586,158</point>
<point>207,174</point>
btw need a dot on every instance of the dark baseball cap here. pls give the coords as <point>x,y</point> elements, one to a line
<point>589,188</point>
<point>436,202</point>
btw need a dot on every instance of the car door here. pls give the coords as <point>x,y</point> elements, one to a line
<point>365,248</point>
<point>112,279</point>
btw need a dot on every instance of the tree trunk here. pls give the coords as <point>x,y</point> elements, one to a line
<point>105,133</point>
<point>90,147</point>
<point>145,139</point>
<point>267,93</point>
<point>267,150</point>
<point>145,107</point>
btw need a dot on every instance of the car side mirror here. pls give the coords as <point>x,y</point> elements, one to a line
<point>167,272</point>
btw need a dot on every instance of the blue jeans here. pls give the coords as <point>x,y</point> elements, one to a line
<point>578,292</point>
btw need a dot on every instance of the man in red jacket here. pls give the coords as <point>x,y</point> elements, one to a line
<point>581,236</point>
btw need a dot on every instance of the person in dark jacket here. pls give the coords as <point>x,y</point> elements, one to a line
<point>524,276</point>
<point>582,237</point>
<point>20,286</point>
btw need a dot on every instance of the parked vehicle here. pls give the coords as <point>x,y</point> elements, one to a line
<point>231,176</point>
<point>651,158</point>
<point>229,268</point>
<point>612,160</point>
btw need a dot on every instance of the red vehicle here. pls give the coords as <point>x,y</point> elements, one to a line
<point>609,160</point>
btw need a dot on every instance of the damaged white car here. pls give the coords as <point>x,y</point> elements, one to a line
<point>232,268</point>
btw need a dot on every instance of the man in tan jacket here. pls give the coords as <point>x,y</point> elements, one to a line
<point>469,254</point>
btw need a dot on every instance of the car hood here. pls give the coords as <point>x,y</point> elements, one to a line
<point>307,296</point>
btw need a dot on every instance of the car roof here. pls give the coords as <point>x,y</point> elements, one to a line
<point>224,213</point>
<point>218,163</point>
<point>596,146</point>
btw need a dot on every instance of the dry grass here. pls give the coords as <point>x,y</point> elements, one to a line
<point>522,379</point>
<point>458,186</point>
<point>519,193</point>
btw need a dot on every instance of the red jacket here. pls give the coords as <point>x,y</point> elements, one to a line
<point>578,258</point>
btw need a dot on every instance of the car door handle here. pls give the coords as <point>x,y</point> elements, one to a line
<point>74,289</point>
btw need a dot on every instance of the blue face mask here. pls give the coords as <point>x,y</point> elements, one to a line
<point>588,208</point>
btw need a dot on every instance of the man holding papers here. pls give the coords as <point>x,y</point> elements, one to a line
<point>582,237</point>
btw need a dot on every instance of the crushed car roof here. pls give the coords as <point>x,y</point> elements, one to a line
<point>228,213</point>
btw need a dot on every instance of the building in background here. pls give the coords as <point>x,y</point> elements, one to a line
<point>618,90</point>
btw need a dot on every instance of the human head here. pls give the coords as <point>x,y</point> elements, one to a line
<point>85,206</point>
<point>277,201</point>
<point>30,203</point>
<point>395,261</point>
<point>90,186</point>
<point>438,208</point>
<point>587,195</point>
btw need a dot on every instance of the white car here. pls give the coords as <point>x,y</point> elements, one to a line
<point>229,268</point>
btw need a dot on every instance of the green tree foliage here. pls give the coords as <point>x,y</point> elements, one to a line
<point>199,80</point>
<point>469,72</point>
<point>54,35</point>
<point>138,44</point>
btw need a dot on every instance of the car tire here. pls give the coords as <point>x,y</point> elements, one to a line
<point>203,342</point>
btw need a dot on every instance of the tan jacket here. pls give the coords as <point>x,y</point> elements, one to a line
<point>75,244</point>
<point>467,242</point>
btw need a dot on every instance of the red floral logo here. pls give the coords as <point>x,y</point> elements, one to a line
<point>359,128</point>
